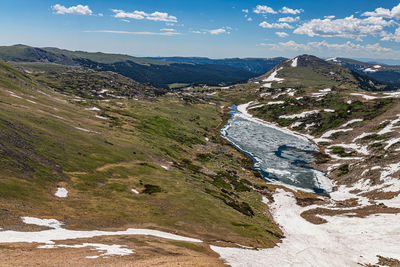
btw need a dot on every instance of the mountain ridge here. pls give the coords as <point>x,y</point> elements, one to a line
<point>256,65</point>
<point>158,73</point>
<point>389,74</point>
<point>309,71</point>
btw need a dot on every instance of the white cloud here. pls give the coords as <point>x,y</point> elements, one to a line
<point>249,19</point>
<point>282,34</point>
<point>264,10</point>
<point>167,30</point>
<point>349,27</point>
<point>218,31</point>
<point>348,49</point>
<point>222,30</point>
<point>384,13</point>
<point>267,25</point>
<point>392,36</point>
<point>289,19</point>
<point>139,15</point>
<point>77,10</point>
<point>286,10</point>
<point>136,33</point>
<point>245,10</point>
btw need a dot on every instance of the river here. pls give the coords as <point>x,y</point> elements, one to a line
<point>282,156</point>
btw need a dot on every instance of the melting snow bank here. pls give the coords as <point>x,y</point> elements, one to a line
<point>57,233</point>
<point>294,63</point>
<point>279,154</point>
<point>342,241</point>
<point>273,78</point>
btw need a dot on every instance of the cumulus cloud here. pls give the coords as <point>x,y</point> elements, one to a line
<point>217,31</point>
<point>289,19</point>
<point>349,27</point>
<point>333,49</point>
<point>264,10</point>
<point>286,10</point>
<point>139,15</point>
<point>222,30</point>
<point>136,33</point>
<point>384,13</point>
<point>245,10</point>
<point>392,36</point>
<point>77,10</point>
<point>267,25</point>
<point>282,34</point>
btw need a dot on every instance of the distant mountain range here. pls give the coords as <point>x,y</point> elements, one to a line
<point>176,72</point>
<point>159,73</point>
<point>393,62</point>
<point>383,73</point>
<point>255,65</point>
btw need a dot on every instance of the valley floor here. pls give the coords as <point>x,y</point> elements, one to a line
<point>159,167</point>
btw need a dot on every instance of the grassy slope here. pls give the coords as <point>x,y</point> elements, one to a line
<point>105,57</point>
<point>41,148</point>
<point>27,53</point>
<point>313,73</point>
<point>158,73</point>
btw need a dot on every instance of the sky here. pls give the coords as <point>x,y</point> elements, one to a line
<point>207,28</point>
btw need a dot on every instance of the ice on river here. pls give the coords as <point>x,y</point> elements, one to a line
<point>279,155</point>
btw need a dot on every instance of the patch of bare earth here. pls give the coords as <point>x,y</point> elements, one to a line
<point>312,215</point>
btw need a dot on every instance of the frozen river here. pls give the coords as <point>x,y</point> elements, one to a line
<point>280,155</point>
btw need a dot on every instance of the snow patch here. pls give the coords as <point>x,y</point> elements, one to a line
<point>135,191</point>
<point>276,103</point>
<point>351,122</point>
<point>109,250</point>
<point>267,85</point>
<point>294,63</point>
<point>57,233</point>
<point>370,70</point>
<point>391,142</point>
<point>342,241</point>
<point>366,97</point>
<point>300,115</point>
<point>273,78</point>
<point>93,109</point>
<point>61,192</point>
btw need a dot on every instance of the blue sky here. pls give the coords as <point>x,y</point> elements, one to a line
<point>218,28</point>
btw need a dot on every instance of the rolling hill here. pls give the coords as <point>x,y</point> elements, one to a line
<point>383,73</point>
<point>157,73</point>
<point>313,73</point>
<point>156,161</point>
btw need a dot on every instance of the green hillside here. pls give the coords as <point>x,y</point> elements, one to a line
<point>157,73</point>
<point>101,148</point>
<point>313,73</point>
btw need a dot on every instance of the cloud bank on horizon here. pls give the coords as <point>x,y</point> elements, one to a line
<point>270,28</point>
